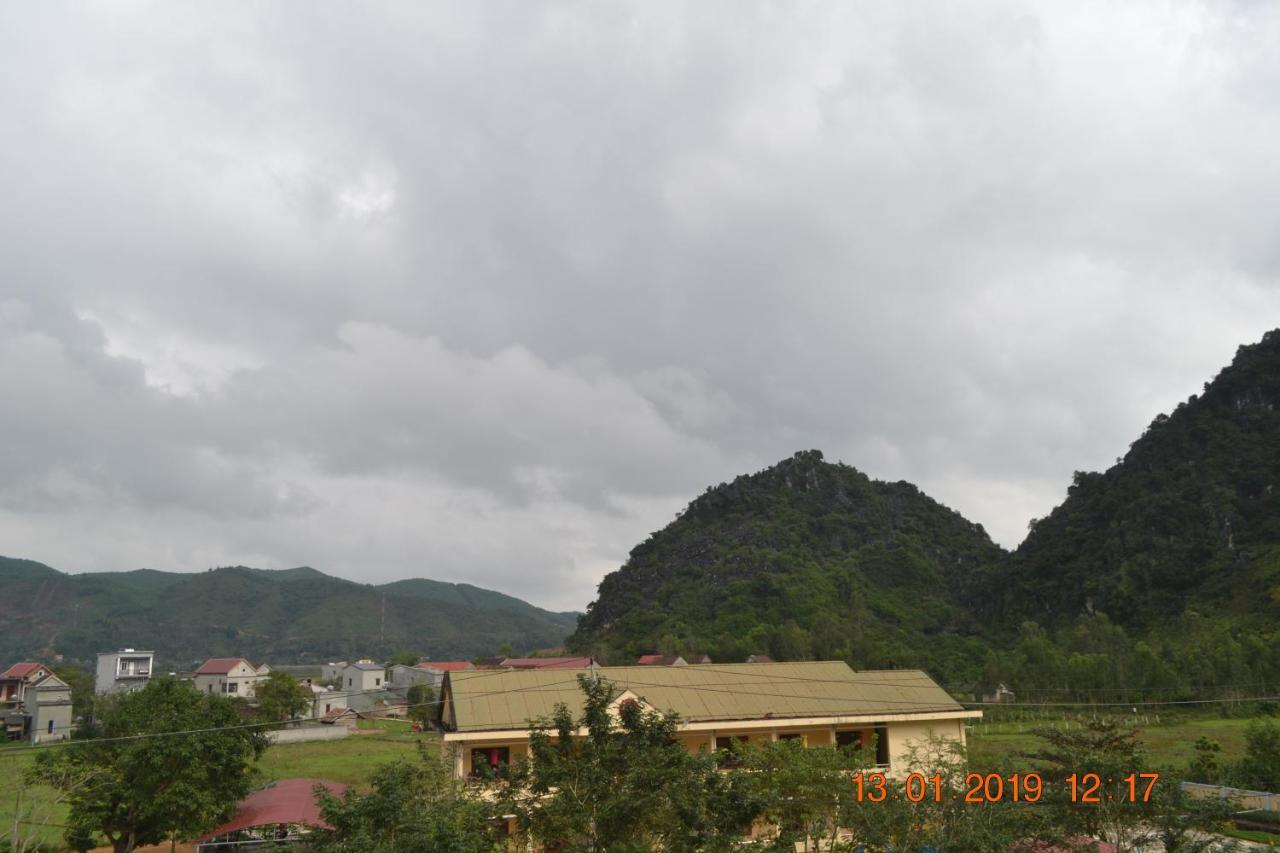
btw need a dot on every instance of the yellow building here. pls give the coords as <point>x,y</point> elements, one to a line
<point>486,713</point>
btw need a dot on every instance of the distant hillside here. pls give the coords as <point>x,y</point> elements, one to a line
<point>806,559</point>
<point>1159,578</point>
<point>1189,518</point>
<point>292,616</point>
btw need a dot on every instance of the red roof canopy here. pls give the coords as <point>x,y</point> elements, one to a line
<point>219,666</point>
<point>546,663</point>
<point>446,665</point>
<point>286,801</point>
<point>22,670</point>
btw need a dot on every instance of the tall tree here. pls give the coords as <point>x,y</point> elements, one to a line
<point>281,697</point>
<point>422,703</point>
<point>161,762</point>
<point>626,785</point>
<point>412,807</point>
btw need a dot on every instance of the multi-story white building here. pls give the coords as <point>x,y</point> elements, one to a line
<point>126,669</point>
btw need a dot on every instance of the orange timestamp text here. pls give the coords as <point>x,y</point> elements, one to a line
<point>1081,788</point>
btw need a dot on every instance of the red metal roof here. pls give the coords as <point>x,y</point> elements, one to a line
<point>22,670</point>
<point>286,801</point>
<point>546,663</point>
<point>446,665</point>
<point>219,666</point>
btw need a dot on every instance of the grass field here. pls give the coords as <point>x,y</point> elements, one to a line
<point>1170,743</point>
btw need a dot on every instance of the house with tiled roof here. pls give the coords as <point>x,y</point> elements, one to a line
<point>229,677</point>
<point>37,704</point>
<point>487,715</point>
<point>15,680</point>
<point>546,663</point>
<point>661,660</point>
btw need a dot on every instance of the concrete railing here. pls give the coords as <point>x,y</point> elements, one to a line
<point>1247,800</point>
<point>302,734</point>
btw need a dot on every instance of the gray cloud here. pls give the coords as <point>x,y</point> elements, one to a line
<point>488,291</point>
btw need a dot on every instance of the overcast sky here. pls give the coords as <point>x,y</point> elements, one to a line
<point>487,292</point>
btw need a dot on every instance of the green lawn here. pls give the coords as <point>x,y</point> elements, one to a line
<point>1170,743</point>
<point>350,760</point>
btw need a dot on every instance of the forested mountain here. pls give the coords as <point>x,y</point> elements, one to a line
<point>1189,518</point>
<point>804,559</point>
<point>291,616</point>
<point>1160,576</point>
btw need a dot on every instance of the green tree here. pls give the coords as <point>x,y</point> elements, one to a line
<point>627,785</point>
<point>1112,751</point>
<point>160,762</point>
<point>405,658</point>
<point>80,681</point>
<point>1204,767</point>
<point>411,807</point>
<point>422,703</point>
<point>1260,767</point>
<point>281,697</point>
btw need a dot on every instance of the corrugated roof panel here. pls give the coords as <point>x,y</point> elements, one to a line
<point>486,699</point>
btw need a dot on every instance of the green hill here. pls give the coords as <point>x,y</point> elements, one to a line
<point>1158,578</point>
<point>292,616</point>
<point>806,559</point>
<point>1189,518</point>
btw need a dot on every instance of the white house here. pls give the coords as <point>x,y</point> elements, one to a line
<point>229,676</point>
<point>126,669</point>
<point>48,704</point>
<point>364,683</point>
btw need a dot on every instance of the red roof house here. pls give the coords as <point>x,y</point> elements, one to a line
<point>276,811</point>
<point>15,680</point>
<point>546,663</point>
<point>219,666</point>
<point>446,665</point>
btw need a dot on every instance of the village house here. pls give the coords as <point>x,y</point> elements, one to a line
<point>364,684</point>
<point>485,715</point>
<point>545,663</point>
<point>126,669</point>
<point>229,677</point>
<point>661,660</point>
<point>38,703</point>
<point>430,673</point>
<point>15,680</point>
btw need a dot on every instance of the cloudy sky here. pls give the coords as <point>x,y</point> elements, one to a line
<point>488,291</point>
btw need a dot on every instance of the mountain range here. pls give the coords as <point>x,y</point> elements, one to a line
<point>1161,574</point>
<point>292,616</point>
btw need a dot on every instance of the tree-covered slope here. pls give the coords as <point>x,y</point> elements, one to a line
<point>804,559</point>
<point>1189,519</point>
<point>290,616</point>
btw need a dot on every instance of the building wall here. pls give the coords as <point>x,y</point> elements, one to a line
<point>900,738</point>
<point>242,675</point>
<point>106,678</point>
<point>50,705</point>
<point>904,736</point>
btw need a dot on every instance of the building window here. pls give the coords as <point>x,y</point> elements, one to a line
<point>233,687</point>
<point>796,736</point>
<point>348,682</point>
<point>851,738</point>
<point>724,745</point>
<point>51,727</point>
<point>377,682</point>
<point>488,762</point>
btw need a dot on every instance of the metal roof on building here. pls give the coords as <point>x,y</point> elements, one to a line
<point>495,700</point>
<point>289,801</point>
